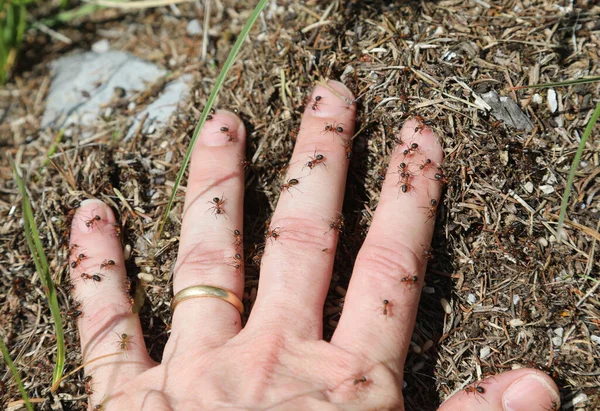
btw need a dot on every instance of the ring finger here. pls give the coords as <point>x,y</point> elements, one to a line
<point>210,249</point>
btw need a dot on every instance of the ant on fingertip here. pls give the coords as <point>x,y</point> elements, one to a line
<point>238,237</point>
<point>314,103</point>
<point>89,223</point>
<point>107,263</point>
<point>410,279</point>
<point>425,165</point>
<point>336,224</point>
<point>238,262</point>
<point>475,389</point>
<point>386,307</point>
<point>360,380</point>
<point>124,342</point>
<point>290,183</point>
<point>432,209</point>
<point>414,148</point>
<point>421,123</point>
<point>229,134</point>
<point>315,160</point>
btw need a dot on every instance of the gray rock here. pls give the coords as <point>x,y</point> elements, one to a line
<point>157,113</point>
<point>503,108</point>
<point>82,83</point>
<point>194,28</point>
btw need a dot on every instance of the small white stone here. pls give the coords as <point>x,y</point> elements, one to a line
<point>543,242</point>
<point>547,189</point>
<point>552,101</point>
<point>549,178</point>
<point>194,28</point>
<point>516,299</point>
<point>446,306</point>
<point>484,352</point>
<point>595,339</point>
<point>404,384</point>
<point>151,129</point>
<point>559,331</point>
<point>556,341</point>
<point>108,112</point>
<point>127,252</point>
<point>516,322</point>
<point>471,299</point>
<point>146,277</point>
<point>529,187</point>
<point>537,99</point>
<point>427,345</point>
<point>101,46</point>
<point>131,106</point>
<point>580,398</point>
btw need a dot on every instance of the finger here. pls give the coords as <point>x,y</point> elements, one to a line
<point>300,249</point>
<point>107,325</point>
<point>518,390</point>
<point>209,243</point>
<point>383,294</point>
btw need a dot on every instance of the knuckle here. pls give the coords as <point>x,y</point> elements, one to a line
<point>194,261</point>
<point>303,232</point>
<point>387,263</point>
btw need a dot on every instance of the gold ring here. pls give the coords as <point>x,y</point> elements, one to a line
<point>210,291</point>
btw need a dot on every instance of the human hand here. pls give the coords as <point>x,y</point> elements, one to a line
<point>278,360</point>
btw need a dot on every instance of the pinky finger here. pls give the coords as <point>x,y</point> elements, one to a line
<point>112,343</point>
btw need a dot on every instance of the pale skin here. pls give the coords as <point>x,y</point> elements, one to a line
<point>278,360</point>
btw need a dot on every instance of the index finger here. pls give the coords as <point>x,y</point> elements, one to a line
<point>383,295</point>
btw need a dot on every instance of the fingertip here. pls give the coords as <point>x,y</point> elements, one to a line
<point>331,99</point>
<point>91,213</point>
<point>223,128</point>
<point>532,389</point>
<point>415,131</point>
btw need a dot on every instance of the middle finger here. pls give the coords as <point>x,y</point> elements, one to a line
<point>302,235</point>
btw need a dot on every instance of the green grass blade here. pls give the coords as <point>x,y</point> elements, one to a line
<point>565,83</point>
<point>565,199</point>
<point>15,373</point>
<point>217,87</point>
<point>41,265</point>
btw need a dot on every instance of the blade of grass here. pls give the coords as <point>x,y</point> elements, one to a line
<point>41,265</point>
<point>565,199</point>
<point>565,83</point>
<point>217,87</point>
<point>15,374</point>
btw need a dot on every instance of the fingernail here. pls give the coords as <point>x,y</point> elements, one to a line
<point>92,214</point>
<point>224,128</point>
<point>330,101</point>
<point>530,392</point>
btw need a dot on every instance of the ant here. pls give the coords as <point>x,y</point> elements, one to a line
<point>228,133</point>
<point>68,287</point>
<point>414,148</point>
<point>476,389</point>
<point>360,380</point>
<point>432,209</point>
<point>554,406</point>
<point>337,224</point>
<point>315,160</point>
<point>238,262</point>
<point>95,277</point>
<point>74,313</point>
<point>425,165</point>
<point>218,204</point>
<point>88,385</point>
<point>386,308</point>
<point>290,183</point>
<point>273,233</point>
<point>348,146</point>
<point>335,129</point>
<point>257,257</point>
<point>124,341</point>
<point>94,220</point>
<point>107,263</point>
<point>314,103</point>
<point>441,178</point>
<point>72,248</point>
<point>410,279</point>
<point>238,237</point>
<point>422,123</point>
<point>78,260</point>
<point>428,254</point>
<point>98,407</point>
<point>406,187</point>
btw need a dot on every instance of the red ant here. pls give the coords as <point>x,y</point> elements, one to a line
<point>348,147</point>
<point>273,233</point>
<point>421,123</point>
<point>96,277</point>
<point>94,220</point>
<point>290,183</point>
<point>238,237</point>
<point>554,406</point>
<point>257,257</point>
<point>428,254</point>
<point>238,262</point>
<point>124,342</point>
<point>410,279</point>
<point>360,380</point>
<point>78,260</point>
<point>315,160</point>
<point>425,165</point>
<point>476,389</point>
<point>314,103</point>
<point>386,308</point>
<point>441,178</point>
<point>335,129</point>
<point>414,148</point>
<point>337,224</point>
<point>228,133</point>
<point>218,204</point>
<point>88,385</point>
<point>432,209</point>
<point>107,263</point>
<point>74,313</point>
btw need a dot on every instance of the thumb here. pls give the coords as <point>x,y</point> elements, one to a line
<point>518,390</point>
